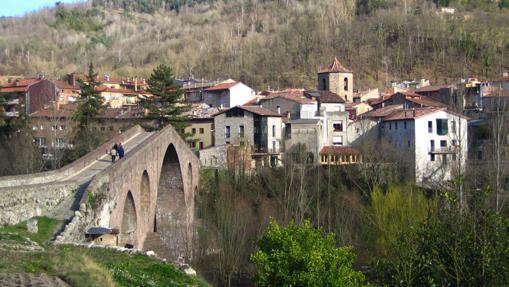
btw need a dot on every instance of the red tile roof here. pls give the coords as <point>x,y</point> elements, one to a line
<point>339,150</point>
<point>425,101</point>
<point>335,67</point>
<point>221,86</point>
<point>326,97</point>
<point>253,109</point>
<point>295,95</point>
<point>382,112</point>
<point>405,114</point>
<point>20,85</point>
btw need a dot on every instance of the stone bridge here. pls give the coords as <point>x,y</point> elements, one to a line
<point>148,196</point>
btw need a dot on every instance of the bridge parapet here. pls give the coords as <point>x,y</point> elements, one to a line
<point>70,169</point>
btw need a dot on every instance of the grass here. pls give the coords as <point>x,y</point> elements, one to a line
<point>80,266</point>
<point>46,228</point>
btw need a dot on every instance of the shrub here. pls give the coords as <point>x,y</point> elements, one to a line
<point>303,256</point>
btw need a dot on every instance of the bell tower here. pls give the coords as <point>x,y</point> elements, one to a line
<point>337,79</point>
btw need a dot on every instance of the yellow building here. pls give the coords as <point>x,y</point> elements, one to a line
<point>339,155</point>
<point>202,131</point>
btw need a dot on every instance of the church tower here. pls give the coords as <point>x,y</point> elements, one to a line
<point>337,79</point>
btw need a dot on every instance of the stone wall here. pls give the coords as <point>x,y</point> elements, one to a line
<point>214,157</point>
<point>24,202</point>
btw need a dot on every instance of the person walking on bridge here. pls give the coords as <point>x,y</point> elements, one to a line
<point>114,152</point>
<point>120,151</point>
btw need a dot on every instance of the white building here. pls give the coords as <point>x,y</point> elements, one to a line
<point>228,94</point>
<point>432,141</point>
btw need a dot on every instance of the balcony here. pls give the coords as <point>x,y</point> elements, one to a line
<point>444,150</point>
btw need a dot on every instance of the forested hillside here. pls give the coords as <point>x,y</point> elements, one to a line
<point>262,42</point>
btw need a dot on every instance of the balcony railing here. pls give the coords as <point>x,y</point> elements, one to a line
<point>447,149</point>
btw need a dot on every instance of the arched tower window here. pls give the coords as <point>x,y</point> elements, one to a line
<point>346,84</point>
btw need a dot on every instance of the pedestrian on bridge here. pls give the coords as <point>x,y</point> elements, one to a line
<point>114,152</point>
<point>120,151</point>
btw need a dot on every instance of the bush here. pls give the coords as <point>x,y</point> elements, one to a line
<point>303,256</point>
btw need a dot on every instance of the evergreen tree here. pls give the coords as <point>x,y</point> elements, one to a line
<point>87,113</point>
<point>167,106</point>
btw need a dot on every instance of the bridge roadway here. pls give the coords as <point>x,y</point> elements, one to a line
<point>84,176</point>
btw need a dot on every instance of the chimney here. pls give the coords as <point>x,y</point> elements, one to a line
<point>145,111</point>
<point>107,78</point>
<point>136,84</point>
<point>278,110</point>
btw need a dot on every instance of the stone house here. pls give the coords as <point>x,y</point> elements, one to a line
<point>255,126</point>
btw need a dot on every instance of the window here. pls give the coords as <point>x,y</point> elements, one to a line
<point>193,131</point>
<point>40,141</point>
<point>479,155</point>
<point>202,130</point>
<point>103,129</point>
<point>404,124</point>
<point>442,127</point>
<point>444,158</point>
<point>432,157</point>
<point>390,126</point>
<point>432,145</point>
<point>241,131</point>
<point>324,84</point>
<point>345,84</point>
<point>60,142</point>
<point>443,144</point>
<point>408,144</point>
<point>453,127</point>
<point>337,126</point>
<point>273,130</point>
<point>227,131</point>
<point>201,145</point>
<point>430,126</point>
<point>193,144</point>
<point>273,146</point>
<point>337,140</point>
<point>396,125</point>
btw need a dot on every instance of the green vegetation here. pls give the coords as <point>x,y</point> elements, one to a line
<point>303,256</point>
<point>401,235</point>
<point>266,43</point>
<point>90,106</point>
<point>389,210</point>
<point>84,266</point>
<point>46,229</point>
<point>77,20</point>
<point>167,105</point>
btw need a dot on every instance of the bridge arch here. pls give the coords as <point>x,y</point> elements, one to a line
<point>129,222</point>
<point>145,193</point>
<point>170,221</point>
